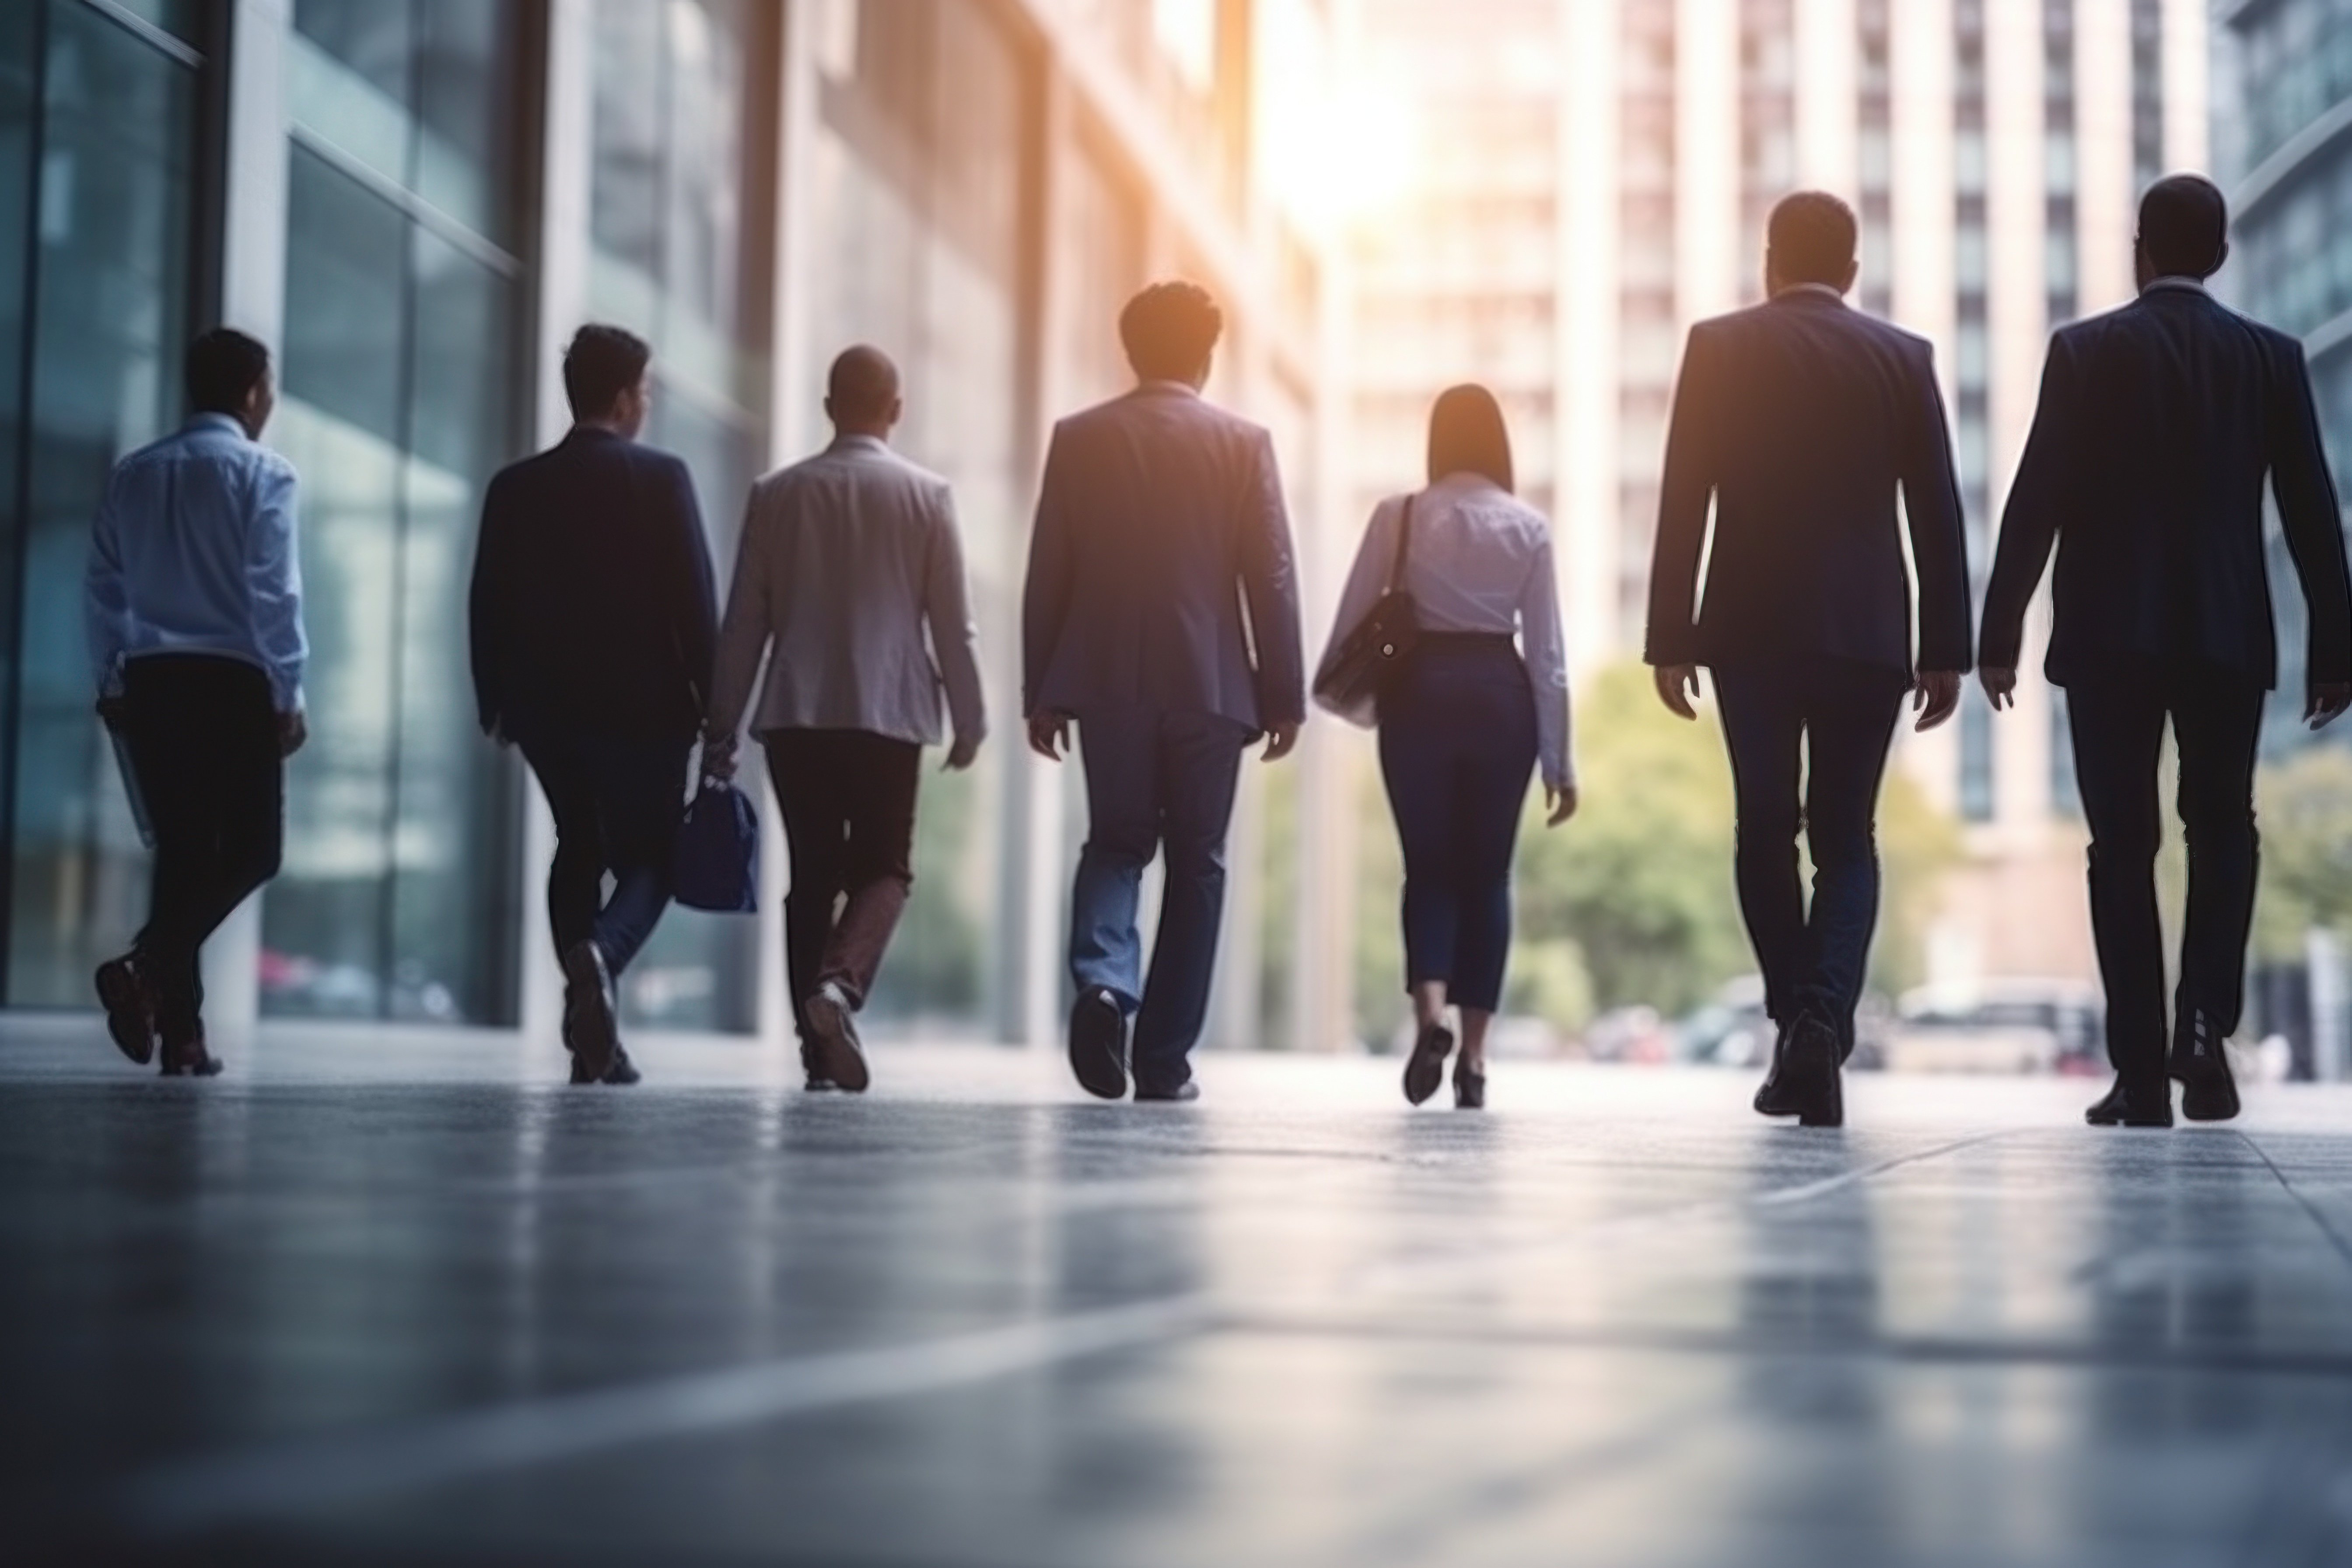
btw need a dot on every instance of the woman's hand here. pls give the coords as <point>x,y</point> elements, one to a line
<point>1559,805</point>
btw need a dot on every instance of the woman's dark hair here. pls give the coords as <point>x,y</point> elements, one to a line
<point>1466,435</point>
<point>223,366</point>
<point>601,363</point>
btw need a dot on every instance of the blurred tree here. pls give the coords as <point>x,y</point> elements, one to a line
<point>2305,806</point>
<point>1917,844</point>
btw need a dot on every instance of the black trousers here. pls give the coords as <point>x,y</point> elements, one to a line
<point>1830,722</point>
<point>2118,717</point>
<point>202,733</point>
<point>1457,745</point>
<point>617,802</point>
<point>848,801</point>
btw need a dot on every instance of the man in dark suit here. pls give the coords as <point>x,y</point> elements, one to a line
<point>1160,518</point>
<point>2157,425</point>
<point>594,625</point>
<point>1801,420</point>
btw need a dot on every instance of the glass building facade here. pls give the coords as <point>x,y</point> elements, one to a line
<point>414,201</point>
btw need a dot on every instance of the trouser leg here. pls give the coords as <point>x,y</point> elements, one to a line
<point>1200,757</point>
<point>641,791</point>
<point>1850,726</point>
<point>1492,792</point>
<point>1417,765</point>
<point>1763,730</point>
<point>2118,729</point>
<point>2216,725</point>
<point>1119,751</point>
<point>801,769</point>
<point>878,860</point>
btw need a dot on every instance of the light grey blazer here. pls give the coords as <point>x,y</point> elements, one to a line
<point>1160,518</point>
<point>847,560</point>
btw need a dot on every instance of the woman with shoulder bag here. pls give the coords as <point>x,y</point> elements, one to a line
<point>1424,647</point>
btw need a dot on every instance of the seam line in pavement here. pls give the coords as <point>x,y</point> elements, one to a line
<point>2326,1226</point>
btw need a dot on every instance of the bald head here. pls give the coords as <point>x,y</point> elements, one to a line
<point>861,395</point>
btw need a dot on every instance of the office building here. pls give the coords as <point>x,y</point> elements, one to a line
<point>415,202</point>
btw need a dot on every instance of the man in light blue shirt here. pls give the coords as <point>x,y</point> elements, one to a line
<point>194,615</point>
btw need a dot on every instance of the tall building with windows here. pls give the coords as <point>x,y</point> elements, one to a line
<point>2283,125</point>
<point>1593,178</point>
<point>415,200</point>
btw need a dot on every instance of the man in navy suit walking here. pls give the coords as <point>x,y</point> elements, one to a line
<point>1801,420</point>
<point>1161,560</point>
<point>2157,425</point>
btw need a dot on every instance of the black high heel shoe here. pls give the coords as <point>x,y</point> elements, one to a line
<point>1469,1088</point>
<point>1425,1068</point>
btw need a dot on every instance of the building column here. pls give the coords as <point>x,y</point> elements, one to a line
<point>2187,121</point>
<point>1706,160</point>
<point>253,299</point>
<point>1829,97</point>
<point>2104,202</point>
<point>1587,526</point>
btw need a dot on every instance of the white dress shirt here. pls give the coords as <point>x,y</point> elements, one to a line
<point>847,560</point>
<point>1479,560</point>
<point>193,551</point>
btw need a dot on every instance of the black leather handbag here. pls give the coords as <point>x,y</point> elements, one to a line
<point>1376,647</point>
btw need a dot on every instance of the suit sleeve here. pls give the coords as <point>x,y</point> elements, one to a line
<point>2038,503</point>
<point>947,608</point>
<point>1685,493</point>
<point>749,624</point>
<point>1931,501</point>
<point>2311,519</point>
<point>697,594</point>
<point>489,613</point>
<point>1269,577</point>
<point>1045,596</point>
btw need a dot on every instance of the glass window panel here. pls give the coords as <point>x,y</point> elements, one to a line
<point>467,78</point>
<point>114,244</point>
<point>183,19</point>
<point>340,421</point>
<point>348,72</point>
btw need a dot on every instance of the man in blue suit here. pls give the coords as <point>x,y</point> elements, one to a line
<point>1161,560</point>
<point>2158,424</point>
<point>594,627</point>
<point>1802,420</point>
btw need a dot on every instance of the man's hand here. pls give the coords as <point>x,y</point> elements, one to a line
<point>1559,805</point>
<point>2000,685</point>
<point>2326,702</point>
<point>718,757</point>
<point>113,712</point>
<point>1677,684</point>
<point>1935,695</point>
<point>961,755</point>
<point>1281,739</point>
<point>1049,734</point>
<point>293,729</point>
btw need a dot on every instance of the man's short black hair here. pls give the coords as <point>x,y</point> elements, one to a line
<point>2184,226</point>
<point>1810,238</point>
<point>223,366</point>
<point>862,385</point>
<point>1169,331</point>
<point>601,363</point>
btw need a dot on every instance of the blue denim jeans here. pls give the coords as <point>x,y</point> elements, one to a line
<point>1157,782</point>
<point>616,804</point>
<point>1827,722</point>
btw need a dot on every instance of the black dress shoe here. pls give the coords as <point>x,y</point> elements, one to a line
<point>591,1027</point>
<point>1424,1069</point>
<point>1183,1094</point>
<point>1099,1044</point>
<point>1469,1088</point>
<point>2129,1106</point>
<point>834,1024</point>
<point>190,1058</point>
<point>1809,1086</point>
<point>2202,1062</point>
<point>1772,1094</point>
<point>130,1007</point>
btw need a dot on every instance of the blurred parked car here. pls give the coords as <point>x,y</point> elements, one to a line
<point>1997,1026</point>
<point>1734,1031</point>
<point>1630,1034</point>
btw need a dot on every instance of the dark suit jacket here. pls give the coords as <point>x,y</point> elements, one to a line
<point>1159,517</point>
<point>2157,424</point>
<point>1802,418</point>
<point>593,607</point>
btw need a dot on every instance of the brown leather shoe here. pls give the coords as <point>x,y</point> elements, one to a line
<point>1425,1068</point>
<point>189,1058</point>
<point>591,1027</point>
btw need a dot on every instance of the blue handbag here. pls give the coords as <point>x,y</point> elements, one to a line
<point>717,866</point>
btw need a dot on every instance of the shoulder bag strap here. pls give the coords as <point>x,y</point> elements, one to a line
<point>1404,541</point>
